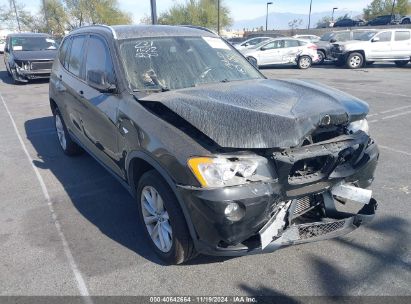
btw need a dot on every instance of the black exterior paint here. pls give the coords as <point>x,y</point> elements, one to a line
<point>123,128</point>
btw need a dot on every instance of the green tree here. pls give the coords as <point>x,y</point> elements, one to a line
<point>197,12</point>
<point>55,18</point>
<point>85,12</point>
<point>384,7</point>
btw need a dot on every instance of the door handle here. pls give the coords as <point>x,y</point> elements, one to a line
<point>81,92</point>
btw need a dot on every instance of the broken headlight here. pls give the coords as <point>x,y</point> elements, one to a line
<point>358,125</point>
<point>225,171</point>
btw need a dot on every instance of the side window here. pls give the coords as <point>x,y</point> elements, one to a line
<point>99,59</point>
<point>291,43</point>
<point>402,35</point>
<point>384,37</point>
<point>269,46</point>
<point>76,55</point>
<point>64,50</point>
<point>342,36</point>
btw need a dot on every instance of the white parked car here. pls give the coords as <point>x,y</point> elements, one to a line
<point>311,38</point>
<point>384,45</point>
<point>283,51</point>
<point>250,42</point>
<point>2,45</point>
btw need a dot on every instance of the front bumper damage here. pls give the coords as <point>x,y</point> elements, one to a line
<point>301,205</point>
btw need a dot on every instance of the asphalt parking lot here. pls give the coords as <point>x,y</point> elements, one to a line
<point>76,232</point>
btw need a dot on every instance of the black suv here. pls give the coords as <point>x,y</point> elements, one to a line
<point>29,56</point>
<point>221,160</point>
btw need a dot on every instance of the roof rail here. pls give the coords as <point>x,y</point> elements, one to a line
<point>200,28</point>
<point>101,25</point>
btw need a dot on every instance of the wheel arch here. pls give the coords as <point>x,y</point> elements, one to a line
<point>53,105</point>
<point>139,162</point>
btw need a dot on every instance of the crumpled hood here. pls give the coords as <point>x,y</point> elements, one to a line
<point>260,113</point>
<point>35,55</point>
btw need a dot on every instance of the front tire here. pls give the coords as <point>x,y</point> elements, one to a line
<point>354,61</point>
<point>401,63</point>
<point>406,21</point>
<point>68,146</point>
<point>304,62</point>
<point>162,220</point>
<point>321,56</point>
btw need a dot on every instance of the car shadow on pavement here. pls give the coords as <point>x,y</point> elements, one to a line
<point>381,258</point>
<point>97,195</point>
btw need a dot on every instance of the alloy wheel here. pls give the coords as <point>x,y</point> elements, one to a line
<point>355,61</point>
<point>61,134</point>
<point>156,219</point>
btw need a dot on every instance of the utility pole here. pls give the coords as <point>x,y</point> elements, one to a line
<point>309,14</point>
<point>17,16</point>
<point>218,17</point>
<point>153,12</point>
<point>266,16</point>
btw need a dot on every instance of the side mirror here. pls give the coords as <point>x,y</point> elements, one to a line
<point>246,44</point>
<point>253,61</point>
<point>98,80</point>
<point>6,49</point>
<point>375,39</point>
<point>333,40</point>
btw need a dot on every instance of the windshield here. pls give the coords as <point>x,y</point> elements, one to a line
<point>364,36</point>
<point>167,63</point>
<point>32,44</point>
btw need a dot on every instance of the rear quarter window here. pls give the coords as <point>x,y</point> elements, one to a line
<point>402,35</point>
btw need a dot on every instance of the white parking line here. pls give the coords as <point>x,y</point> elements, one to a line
<point>394,150</point>
<point>395,109</point>
<point>77,274</point>
<point>396,115</point>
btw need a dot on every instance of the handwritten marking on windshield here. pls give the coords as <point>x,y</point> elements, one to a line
<point>145,49</point>
<point>231,62</point>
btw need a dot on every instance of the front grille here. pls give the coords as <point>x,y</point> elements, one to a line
<point>46,65</point>
<point>302,204</point>
<point>319,229</point>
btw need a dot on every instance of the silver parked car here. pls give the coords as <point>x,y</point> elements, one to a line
<point>384,45</point>
<point>283,51</point>
<point>250,42</point>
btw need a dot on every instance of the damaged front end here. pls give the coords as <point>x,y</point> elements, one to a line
<point>304,201</point>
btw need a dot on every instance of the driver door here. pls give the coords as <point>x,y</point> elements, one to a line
<point>271,52</point>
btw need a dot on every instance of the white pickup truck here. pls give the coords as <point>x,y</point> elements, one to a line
<point>384,45</point>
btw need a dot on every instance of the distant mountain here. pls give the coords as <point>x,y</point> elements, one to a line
<point>279,21</point>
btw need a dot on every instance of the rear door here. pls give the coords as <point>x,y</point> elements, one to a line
<point>290,51</point>
<point>401,46</point>
<point>71,80</point>
<point>100,109</point>
<point>381,49</point>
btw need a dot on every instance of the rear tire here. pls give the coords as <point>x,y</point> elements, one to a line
<point>68,146</point>
<point>406,21</point>
<point>166,216</point>
<point>401,63</point>
<point>355,61</point>
<point>304,62</point>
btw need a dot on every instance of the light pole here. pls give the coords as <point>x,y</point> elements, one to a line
<point>309,14</point>
<point>218,17</point>
<point>332,16</point>
<point>17,15</point>
<point>266,16</point>
<point>153,12</point>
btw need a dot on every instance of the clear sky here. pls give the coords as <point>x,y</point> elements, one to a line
<point>240,9</point>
